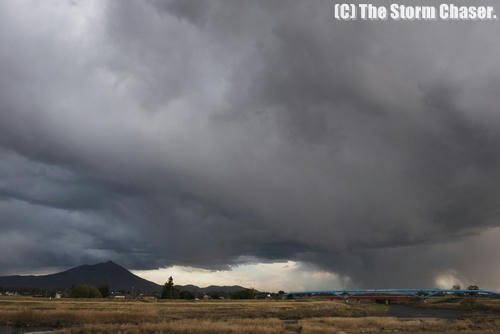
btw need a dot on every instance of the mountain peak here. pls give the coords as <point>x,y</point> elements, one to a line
<point>110,273</point>
<point>107,264</point>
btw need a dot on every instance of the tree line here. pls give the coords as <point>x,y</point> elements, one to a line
<point>169,291</point>
<point>90,291</point>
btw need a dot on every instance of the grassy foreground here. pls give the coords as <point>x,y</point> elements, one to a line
<point>466,304</point>
<point>131,317</point>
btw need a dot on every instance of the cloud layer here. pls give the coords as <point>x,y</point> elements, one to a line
<point>198,133</point>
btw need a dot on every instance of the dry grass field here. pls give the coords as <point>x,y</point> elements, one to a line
<point>226,316</point>
<point>483,304</point>
<point>67,312</point>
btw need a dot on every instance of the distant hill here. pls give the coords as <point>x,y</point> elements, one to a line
<point>117,277</point>
<point>110,273</point>
<point>211,289</point>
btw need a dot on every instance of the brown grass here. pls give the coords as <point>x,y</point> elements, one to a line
<point>305,326</point>
<point>240,326</point>
<point>379,324</point>
<point>238,317</point>
<point>67,312</point>
<point>467,304</point>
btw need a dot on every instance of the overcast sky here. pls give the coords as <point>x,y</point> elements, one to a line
<point>249,143</point>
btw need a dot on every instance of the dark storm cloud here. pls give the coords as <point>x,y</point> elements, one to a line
<point>194,11</point>
<point>203,132</point>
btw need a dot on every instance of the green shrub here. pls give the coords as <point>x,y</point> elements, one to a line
<point>85,291</point>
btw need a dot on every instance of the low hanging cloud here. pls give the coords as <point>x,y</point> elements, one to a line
<point>198,133</point>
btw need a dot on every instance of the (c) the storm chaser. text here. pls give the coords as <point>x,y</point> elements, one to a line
<point>404,12</point>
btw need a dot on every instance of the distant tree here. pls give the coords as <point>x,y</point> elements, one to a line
<point>281,292</point>
<point>104,290</point>
<point>456,287</point>
<point>473,287</point>
<point>85,291</point>
<point>244,294</point>
<point>217,294</point>
<point>169,291</point>
<point>185,294</point>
